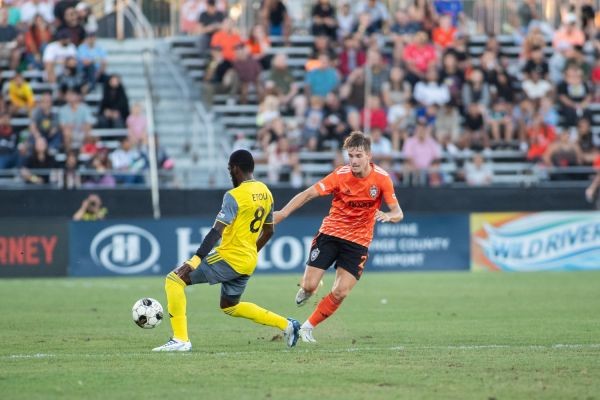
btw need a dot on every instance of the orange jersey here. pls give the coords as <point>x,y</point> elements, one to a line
<point>355,202</point>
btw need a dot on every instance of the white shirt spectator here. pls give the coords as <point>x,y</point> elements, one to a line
<point>56,52</point>
<point>345,24</point>
<point>33,7</point>
<point>428,93</point>
<point>381,147</point>
<point>536,90</point>
<point>478,175</point>
<point>124,160</point>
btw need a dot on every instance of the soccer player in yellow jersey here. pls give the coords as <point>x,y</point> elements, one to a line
<point>244,225</point>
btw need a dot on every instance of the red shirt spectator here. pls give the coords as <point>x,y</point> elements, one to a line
<point>419,54</point>
<point>540,136</point>
<point>377,118</point>
<point>444,34</point>
<point>227,40</point>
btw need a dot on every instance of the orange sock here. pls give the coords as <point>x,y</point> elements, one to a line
<point>324,310</point>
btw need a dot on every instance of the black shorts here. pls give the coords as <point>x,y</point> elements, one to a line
<point>326,249</point>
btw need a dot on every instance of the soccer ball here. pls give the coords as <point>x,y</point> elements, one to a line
<point>147,313</point>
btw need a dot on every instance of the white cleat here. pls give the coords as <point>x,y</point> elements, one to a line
<point>174,345</point>
<point>302,296</point>
<point>306,335</point>
<point>291,332</point>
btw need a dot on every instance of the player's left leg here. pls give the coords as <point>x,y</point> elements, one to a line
<point>231,292</point>
<point>349,267</point>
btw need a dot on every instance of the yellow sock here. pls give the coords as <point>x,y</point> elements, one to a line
<point>176,304</point>
<point>257,314</point>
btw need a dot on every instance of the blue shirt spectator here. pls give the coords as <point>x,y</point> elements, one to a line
<point>450,7</point>
<point>322,80</point>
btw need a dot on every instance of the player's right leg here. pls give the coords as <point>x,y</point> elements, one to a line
<point>175,284</point>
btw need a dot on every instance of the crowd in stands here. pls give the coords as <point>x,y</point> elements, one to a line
<point>50,63</point>
<point>427,96</point>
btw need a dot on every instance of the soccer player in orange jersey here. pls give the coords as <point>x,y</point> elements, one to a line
<point>345,234</point>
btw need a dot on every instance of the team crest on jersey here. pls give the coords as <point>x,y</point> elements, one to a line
<point>314,254</point>
<point>373,191</point>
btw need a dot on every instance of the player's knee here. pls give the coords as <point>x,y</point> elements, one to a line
<point>228,304</point>
<point>340,293</point>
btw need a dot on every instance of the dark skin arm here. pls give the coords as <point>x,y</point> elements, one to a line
<point>265,235</point>
<point>185,269</point>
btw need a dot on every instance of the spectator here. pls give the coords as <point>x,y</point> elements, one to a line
<point>71,179</point>
<point>528,12</point>
<point>8,143</point>
<point>379,71</point>
<point>259,45</point>
<point>503,88</point>
<point>85,18</point>
<point>374,114</point>
<point>136,126</point>
<point>477,172</point>
<point>536,88</point>
<point>114,107</point>
<point>404,28</point>
<point>44,123</point>
<point>345,21</point>
<point>56,53</point>
<point>189,16</point>
<point>431,91</point>
<point>420,151</point>
<point>268,110</point>
<point>451,76</point>
<point>381,146</point>
<point>248,71</point>
<point>322,80</point>
<point>574,96</point>
<point>475,135</point>
<point>282,161</point>
<point>540,135</point>
<point>91,209</point>
<point>476,91</point>
<point>163,161</point>
<point>561,154</point>
<point>283,79</point>
<point>276,19</point>
<point>537,63</point>
<point>397,90</point>
<point>101,166</point>
<point>324,19</point>
<point>378,14</point>
<point>41,159</point>
<point>447,126</point>
<point>75,120</point>
<point>227,40</point>
<point>575,57</point>
<point>334,128</point>
<point>585,140</point>
<point>558,62</point>
<point>60,9</point>
<point>353,90</point>
<point>21,96</point>
<point>351,57</point>
<point>500,122</point>
<point>313,122</point>
<point>418,55</point>
<point>443,35</point>
<point>37,38</point>
<point>209,22</point>
<point>73,26</point>
<point>9,46</point>
<point>568,33</point>
<point>128,162</point>
<point>33,8</point>
<point>452,8</point>
<point>93,61</point>
<point>71,78</point>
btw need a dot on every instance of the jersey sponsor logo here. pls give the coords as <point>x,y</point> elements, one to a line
<point>314,254</point>
<point>360,204</point>
<point>125,249</point>
<point>373,191</point>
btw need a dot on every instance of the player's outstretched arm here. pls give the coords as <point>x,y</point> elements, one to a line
<point>295,203</point>
<point>394,215</point>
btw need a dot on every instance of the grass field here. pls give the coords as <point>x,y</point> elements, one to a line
<point>434,336</point>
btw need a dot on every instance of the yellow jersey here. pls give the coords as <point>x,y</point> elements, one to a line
<point>245,210</point>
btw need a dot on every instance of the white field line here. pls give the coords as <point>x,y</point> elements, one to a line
<point>317,349</point>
